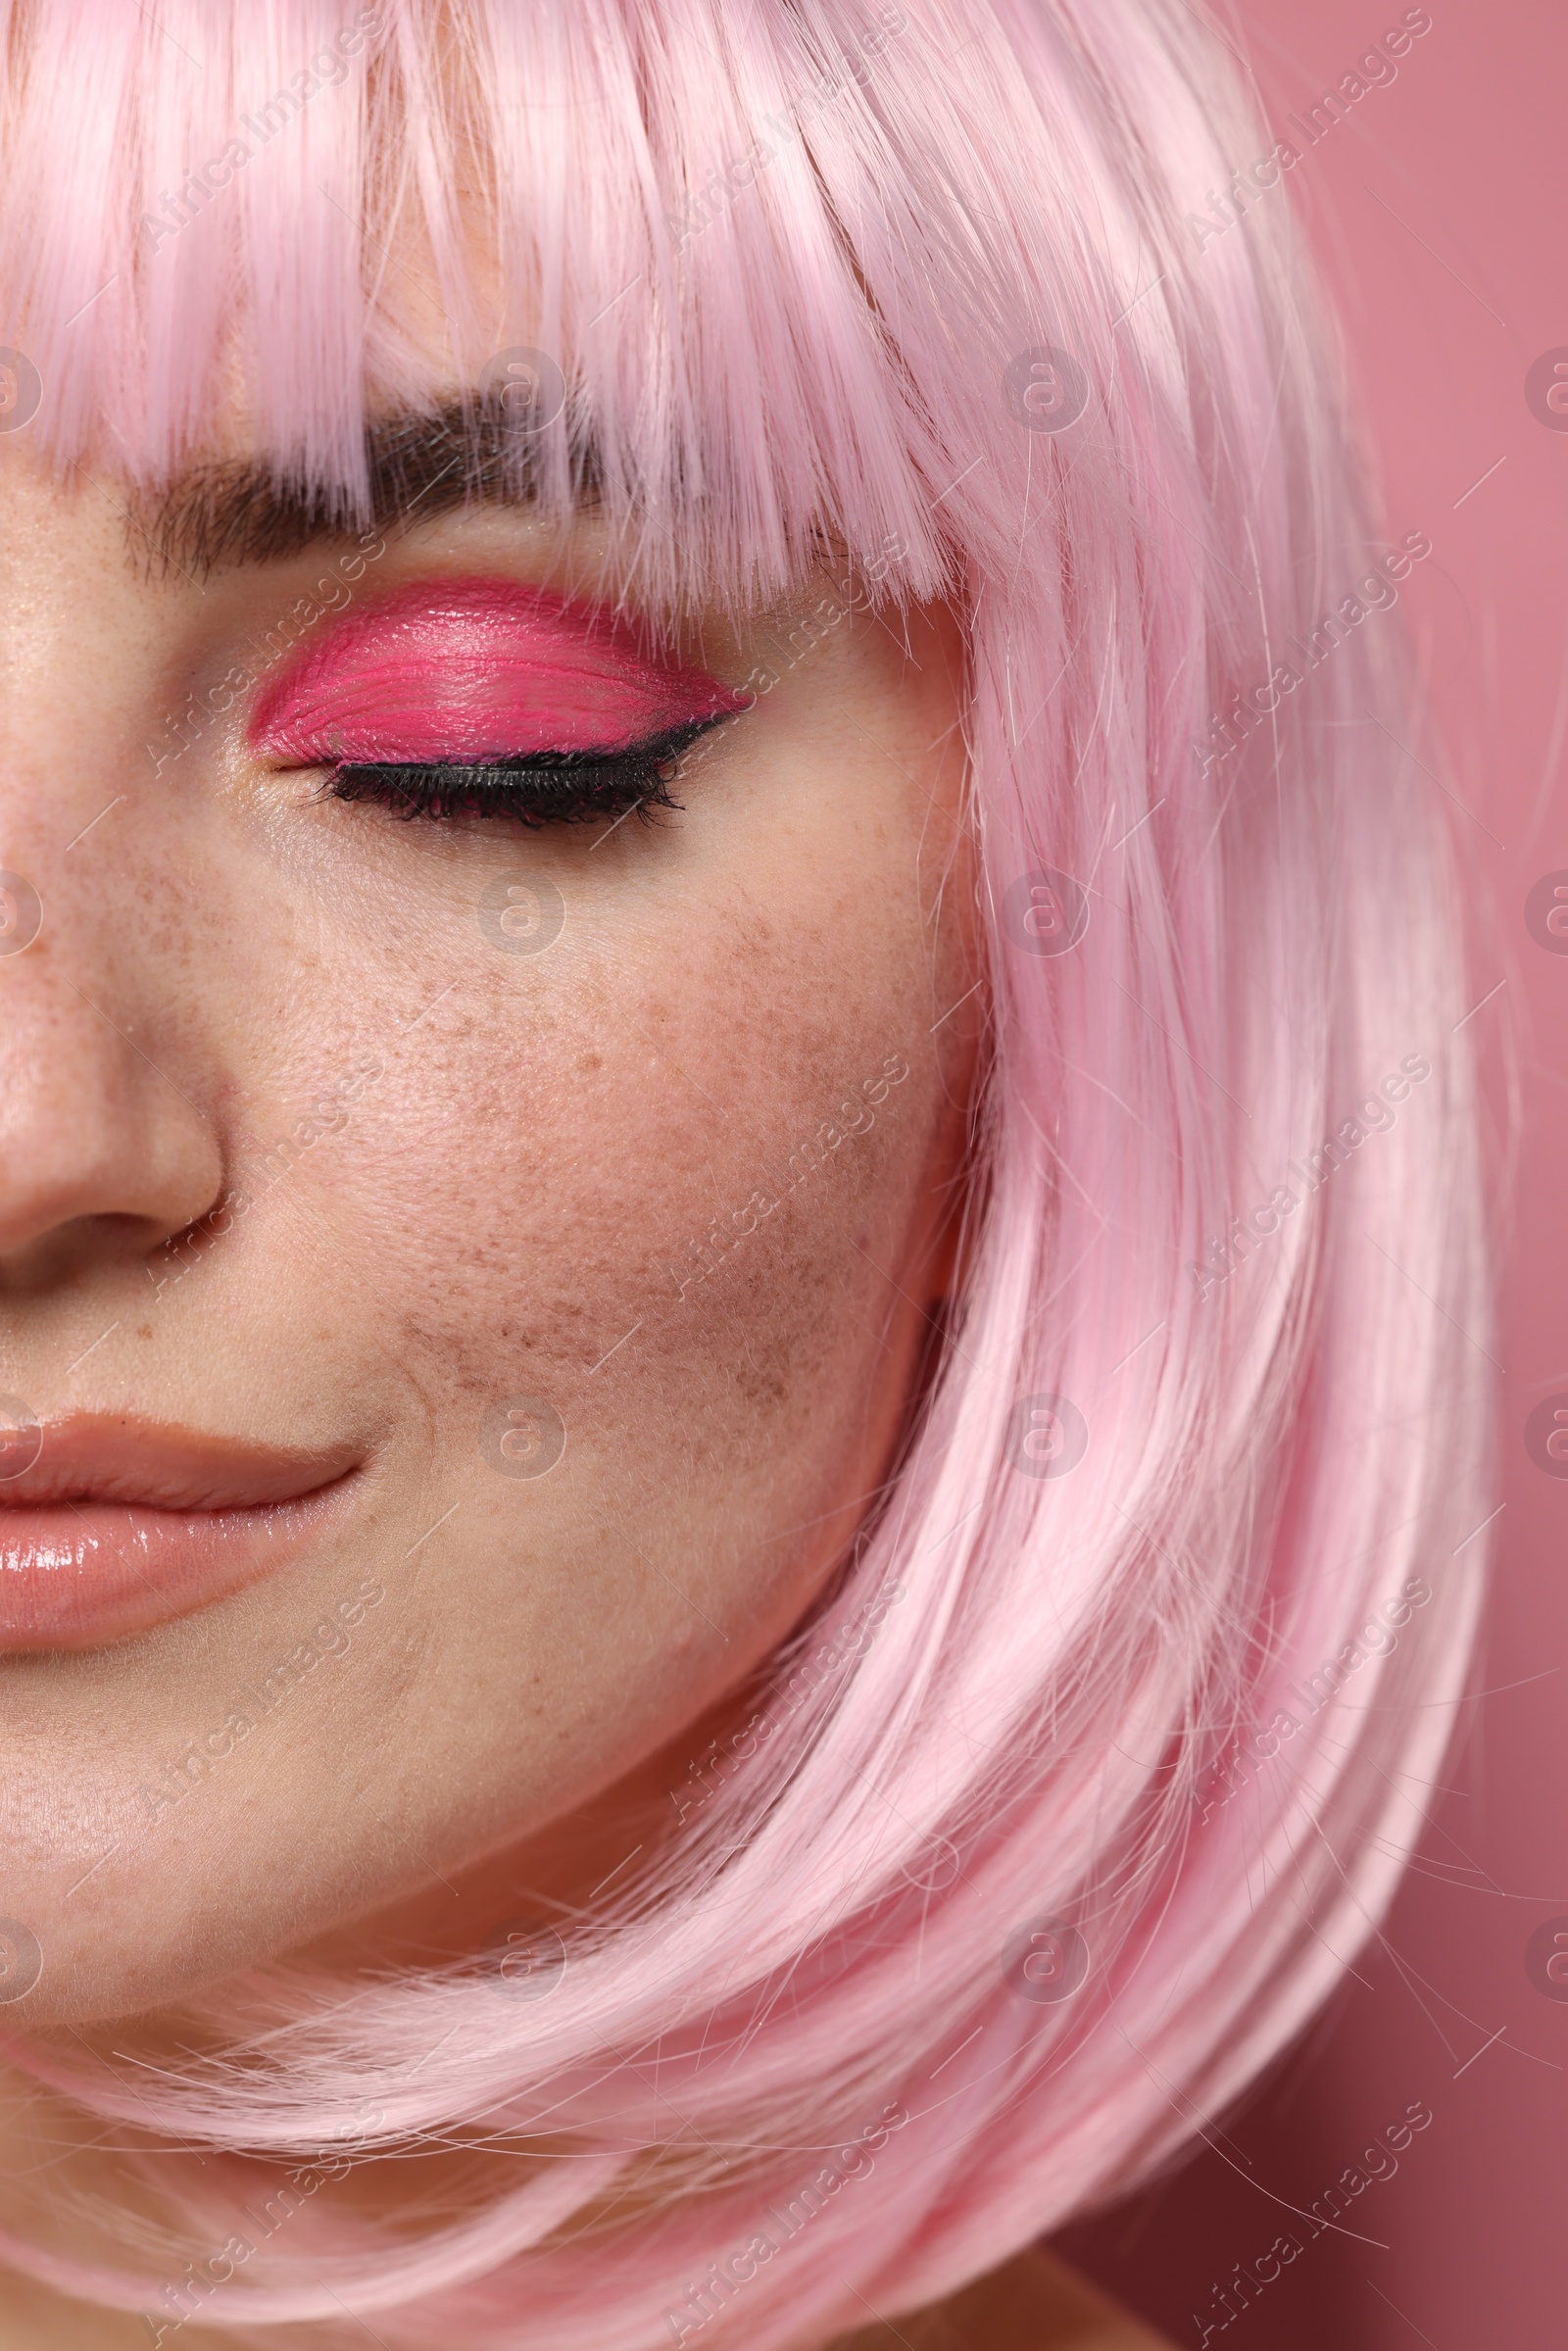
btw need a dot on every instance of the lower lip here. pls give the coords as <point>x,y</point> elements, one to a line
<point>75,1575</point>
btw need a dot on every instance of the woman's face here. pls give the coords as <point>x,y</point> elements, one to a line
<point>561,1213</point>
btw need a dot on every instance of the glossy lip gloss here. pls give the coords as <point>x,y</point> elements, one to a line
<point>455,670</point>
<point>110,1525</point>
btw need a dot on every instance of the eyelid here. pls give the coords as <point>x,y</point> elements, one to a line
<point>476,670</point>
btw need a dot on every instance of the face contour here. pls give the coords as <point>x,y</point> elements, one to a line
<point>469,1277</point>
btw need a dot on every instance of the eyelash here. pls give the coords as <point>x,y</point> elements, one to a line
<point>551,787</point>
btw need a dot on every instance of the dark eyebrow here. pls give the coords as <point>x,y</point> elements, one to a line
<point>420,464</point>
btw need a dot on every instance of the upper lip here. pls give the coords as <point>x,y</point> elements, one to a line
<point>158,1465</point>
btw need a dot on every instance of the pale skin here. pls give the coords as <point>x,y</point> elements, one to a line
<point>495,1213</point>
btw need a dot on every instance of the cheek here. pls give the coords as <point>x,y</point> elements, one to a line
<point>649,1188</point>
<point>610,1183</point>
<point>523,1232</point>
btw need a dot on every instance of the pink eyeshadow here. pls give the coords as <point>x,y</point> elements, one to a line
<point>476,670</point>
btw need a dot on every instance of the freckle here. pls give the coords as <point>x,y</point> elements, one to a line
<point>588,1064</point>
<point>144,1330</point>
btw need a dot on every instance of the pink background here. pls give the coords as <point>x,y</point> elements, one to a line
<point>1437,211</point>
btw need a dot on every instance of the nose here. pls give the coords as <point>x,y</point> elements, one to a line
<point>104,1153</point>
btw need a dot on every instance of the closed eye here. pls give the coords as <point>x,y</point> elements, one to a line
<point>547,786</point>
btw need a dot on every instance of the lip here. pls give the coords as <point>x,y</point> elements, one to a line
<point>111,1524</point>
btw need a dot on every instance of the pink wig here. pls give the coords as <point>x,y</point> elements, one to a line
<point>1102,1753</point>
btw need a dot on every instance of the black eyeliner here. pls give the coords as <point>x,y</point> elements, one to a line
<point>547,786</point>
